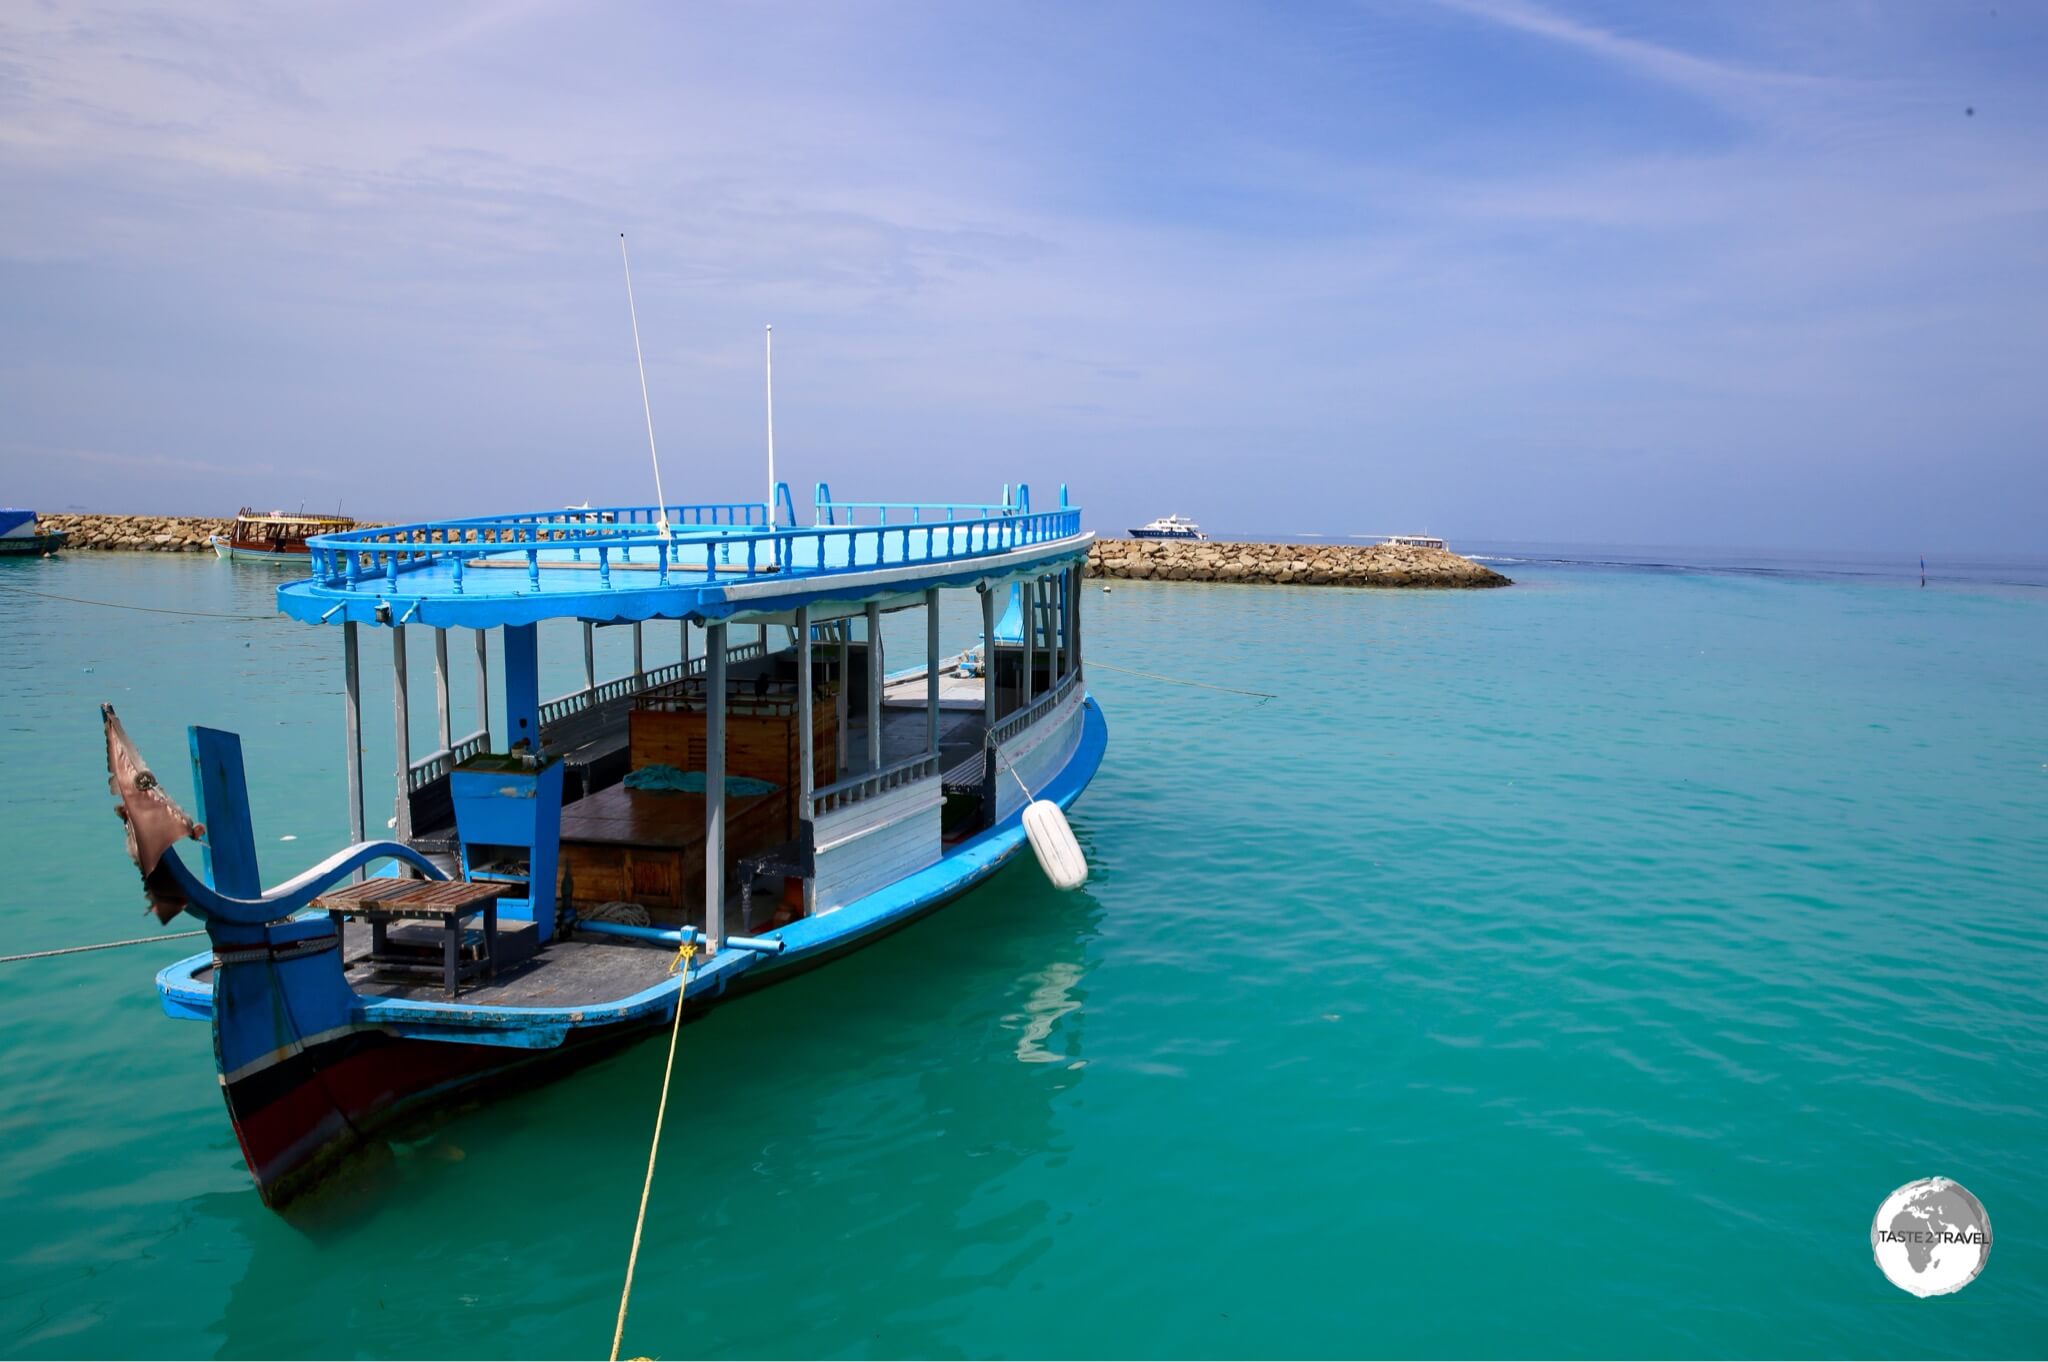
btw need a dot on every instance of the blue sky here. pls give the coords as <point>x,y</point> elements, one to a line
<point>1730,274</point>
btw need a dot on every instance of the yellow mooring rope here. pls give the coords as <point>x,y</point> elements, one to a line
<point>633,1259</point>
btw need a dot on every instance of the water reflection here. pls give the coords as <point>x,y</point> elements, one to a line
<point>845,1165</point>
<point>1053,997</point>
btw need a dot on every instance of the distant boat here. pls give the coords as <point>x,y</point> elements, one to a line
<point>1414,541</point>
<point>1169,527</point>
<point>19,534</point>
<point>279,537</point>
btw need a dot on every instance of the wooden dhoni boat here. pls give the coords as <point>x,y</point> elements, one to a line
<point>531,903</point>
<point>276,537</point>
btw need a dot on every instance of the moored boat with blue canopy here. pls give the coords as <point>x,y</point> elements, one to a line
<point>22,533</point>
<point>777,797</point>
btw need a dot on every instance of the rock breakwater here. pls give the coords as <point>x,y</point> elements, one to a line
<point>142,533</point>
<point>136,533</point>
<point>1165,560</point>
<point>1182,560</point>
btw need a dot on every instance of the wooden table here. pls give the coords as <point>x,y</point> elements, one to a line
<point>449,903</point>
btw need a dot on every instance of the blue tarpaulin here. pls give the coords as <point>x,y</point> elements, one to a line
<point>673,781</point>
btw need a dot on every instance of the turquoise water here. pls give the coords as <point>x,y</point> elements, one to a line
<point>1570,969</point>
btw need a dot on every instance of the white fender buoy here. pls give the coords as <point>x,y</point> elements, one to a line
<point>1059,855</point>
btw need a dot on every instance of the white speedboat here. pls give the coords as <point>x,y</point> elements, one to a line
<point>1169,527</point>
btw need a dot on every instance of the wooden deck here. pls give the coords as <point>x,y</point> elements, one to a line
<point>903,736</point>
<point>955,692</point>
<point>582,972</point>
<point>586,971</point>
<point>648,818</point>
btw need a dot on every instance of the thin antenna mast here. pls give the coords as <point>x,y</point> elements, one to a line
<point>660,504</point>
<point>770,343</point>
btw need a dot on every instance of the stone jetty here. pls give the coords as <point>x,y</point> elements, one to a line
<point>1162,560</point>
<point>1187,560</point>
<point>137,533</point>
<point>143,533</point>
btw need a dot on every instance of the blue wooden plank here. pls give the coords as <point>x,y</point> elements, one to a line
<point>230,857</point>
<point>522,686</point>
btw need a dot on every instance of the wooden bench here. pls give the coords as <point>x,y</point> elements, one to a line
<point>446,903</point>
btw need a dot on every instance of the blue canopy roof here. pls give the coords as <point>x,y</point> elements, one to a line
<point>618,565</point>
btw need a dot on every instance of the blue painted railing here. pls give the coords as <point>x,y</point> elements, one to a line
<point>827,511</point>
<point>866,785</point>
<point>434,765</point>
<point>1013,724</point>
<point>577,701</point>
<point>733,539</point>
<point>847,512</point>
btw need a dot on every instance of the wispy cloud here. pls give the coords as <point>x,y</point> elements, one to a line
<point>1734,84</point>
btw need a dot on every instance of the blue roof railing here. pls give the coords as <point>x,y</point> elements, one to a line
<point>918,512</point>
<point>610,564</point>
<point>712,543</point>
<point>830,512</point>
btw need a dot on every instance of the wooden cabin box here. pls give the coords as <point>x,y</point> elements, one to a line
<point>653,854</point>
<point>647,847</point>
<point>760,741</point>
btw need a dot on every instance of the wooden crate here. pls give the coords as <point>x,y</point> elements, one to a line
<point>760,741</point>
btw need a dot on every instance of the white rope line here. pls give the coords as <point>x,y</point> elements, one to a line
<point>1004,762</point>
<point>145,609</point>
<point>647,407</point>
<point>98,946</point>
<point>1176,681</point>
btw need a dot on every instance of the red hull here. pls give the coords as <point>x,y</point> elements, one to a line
<point>298,1117</point>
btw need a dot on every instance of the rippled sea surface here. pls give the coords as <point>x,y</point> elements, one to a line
<point>1569,969</point>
